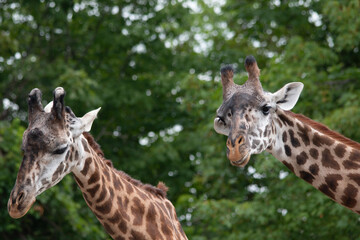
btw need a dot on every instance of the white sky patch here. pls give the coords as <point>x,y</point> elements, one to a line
<point>252,171</point>
<point>167,135</point>
<point>256,43</point>
<point>275,3</point>
<point>269,54</point>
<point>127,13</point>
<point>92,6</point>
<point>115,10</point>
<point>20,18</point>
<point>215,5</point>
<point>256,188</point>
<point>330,41</point>
<point>283,211</point>
<point>175,90</point>
<point>281,42</point>
<point>7,104</point>
<point>139,48</point>
<point>160,5</point>
<point>117,131</point>
<point>203,46</point>
<point>283,174</point>
<point>193,5</point>
<point>207,76</point>
<point>315,18</point>
<point>17,55</point>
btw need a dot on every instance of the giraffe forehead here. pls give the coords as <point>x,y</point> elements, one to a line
<point>43,137</point>
<point>242,100</point>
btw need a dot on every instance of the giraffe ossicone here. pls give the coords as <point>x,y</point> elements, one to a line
<point>56,143</point>
<point>255,121</point>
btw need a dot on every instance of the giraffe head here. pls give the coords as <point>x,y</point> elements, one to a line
<point>47,145</point>
<point>247,113</point>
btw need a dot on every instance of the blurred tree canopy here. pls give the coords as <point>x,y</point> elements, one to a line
<point>153,67</point>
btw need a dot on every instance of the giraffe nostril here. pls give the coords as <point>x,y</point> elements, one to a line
<point>20,197</point>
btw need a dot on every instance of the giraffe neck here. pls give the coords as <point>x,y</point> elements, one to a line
<point>323,158</point>
<point>126,208</point>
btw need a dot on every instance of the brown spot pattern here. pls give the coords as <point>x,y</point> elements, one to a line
<point>79,182</point>
<point>304,134</point>
<point>123,207</point>
<point>328,160</point>
<point>294,141</point>
<point>85,145</point>
<point>351,165</point>
<point>332,181</point>
<point>340,150</point>
<point>86,166</point>
<point>314,153</point>
<point>289,166</point>
<point>354,156</point>
<point>284,136</point>
<point>129,189</point>
<point>94,178</point>
<point>105,208</point>
<point>319,140</point>
<point>115,218</point>
<point>135,235</point>
<point>307,176</point>
<point>108,229</point>
<point>93,190</point>
<point>301,159</point>
<point>151,223</point>
<point>138,211</point>
<point>58,171</point>
<point>286,120</point>
<point>102,194</point>
<point>348,199</point>
<point>122,226</point>
<point>355,177</point>
<point>287,150</point>
<point>325,189</point>
<point>314,169</point>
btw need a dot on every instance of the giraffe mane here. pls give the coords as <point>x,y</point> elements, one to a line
<point>325,130</point>
<point>161,188</point>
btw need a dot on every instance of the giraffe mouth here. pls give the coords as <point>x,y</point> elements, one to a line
<point>242,162</point>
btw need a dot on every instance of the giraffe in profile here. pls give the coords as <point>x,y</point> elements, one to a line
<point>56,143</point>
<point>255,121</point>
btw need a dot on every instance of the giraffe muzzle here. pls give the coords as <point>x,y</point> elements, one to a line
<point>19,203</point>
<point>237,151</point>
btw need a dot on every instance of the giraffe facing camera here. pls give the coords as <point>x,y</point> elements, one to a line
<point>255,121</point>
<point>56,143</point>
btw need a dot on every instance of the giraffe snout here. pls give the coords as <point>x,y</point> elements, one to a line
<point>19,203</point>
<point>237,151</point>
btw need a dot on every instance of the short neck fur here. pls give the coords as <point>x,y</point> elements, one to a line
<point>325,159</point>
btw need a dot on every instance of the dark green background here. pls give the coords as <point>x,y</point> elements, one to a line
<point>153,67</point>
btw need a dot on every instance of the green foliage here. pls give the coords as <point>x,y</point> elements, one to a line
<point>153,68</point>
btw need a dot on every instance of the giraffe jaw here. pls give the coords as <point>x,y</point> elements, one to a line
<point>242,162</point>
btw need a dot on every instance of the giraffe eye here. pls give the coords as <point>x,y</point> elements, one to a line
<point>265,109</point>
<point>60,150</point>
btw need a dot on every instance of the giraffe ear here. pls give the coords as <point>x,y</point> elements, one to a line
<point>88,119</point>
<point>288,95</point>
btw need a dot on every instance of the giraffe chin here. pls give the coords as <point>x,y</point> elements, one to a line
<point>19,210</point>
<point>242,162</point>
